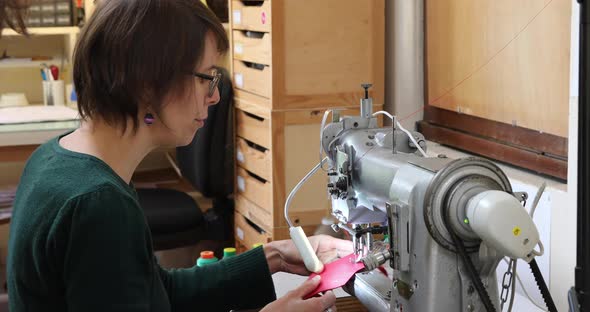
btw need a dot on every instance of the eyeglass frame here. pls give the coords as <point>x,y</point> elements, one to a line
<point>214,80</point>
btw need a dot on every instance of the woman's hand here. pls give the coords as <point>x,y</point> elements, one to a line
<point>283,256</point>
<point>293,300</point>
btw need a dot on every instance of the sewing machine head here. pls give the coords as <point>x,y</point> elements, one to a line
<point>364,211</point>
<point>382,182</point>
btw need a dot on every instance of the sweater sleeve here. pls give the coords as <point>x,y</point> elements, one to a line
<point>107,264</point>
<point>241,282</point>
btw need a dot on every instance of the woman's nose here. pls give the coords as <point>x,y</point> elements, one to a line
<point>215,98</point>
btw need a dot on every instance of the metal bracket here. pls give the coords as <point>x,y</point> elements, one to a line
<point>403,289</point>
<point>401,241</point>
<point>521,196</point>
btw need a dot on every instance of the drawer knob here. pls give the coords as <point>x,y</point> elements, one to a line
<point>240,233</point>
<point>239,80</point>
<point>241,184</point>
<point>240,156</point>
<point>237,17</point>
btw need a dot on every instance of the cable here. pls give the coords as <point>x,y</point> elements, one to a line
<point>298,186</point>
<point>324,119</point>
<point>384,113</point>
<point>526,293</point>
<point>410,136</point>
<point>537,198</point>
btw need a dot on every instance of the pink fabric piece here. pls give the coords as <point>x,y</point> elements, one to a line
<point>336,274</point>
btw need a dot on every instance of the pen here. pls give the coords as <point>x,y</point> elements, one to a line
<point>48,74</point>
<point>54,72</point>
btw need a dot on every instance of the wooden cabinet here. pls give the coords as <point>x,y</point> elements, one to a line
<point>274,150</point>
<point>253,46</point>
<point>292,60</point>
<point>308,53</point>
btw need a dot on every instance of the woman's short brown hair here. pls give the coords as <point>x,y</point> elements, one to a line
<point>136,52</point>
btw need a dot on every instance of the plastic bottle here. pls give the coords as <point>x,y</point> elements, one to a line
<point>229,252</point>
<point>207,257</point>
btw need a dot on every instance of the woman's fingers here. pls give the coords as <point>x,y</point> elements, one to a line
<point>307,287</point>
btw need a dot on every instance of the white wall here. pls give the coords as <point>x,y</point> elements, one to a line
<point>559,204</point>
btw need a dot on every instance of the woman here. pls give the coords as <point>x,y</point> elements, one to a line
<point>144,73</point>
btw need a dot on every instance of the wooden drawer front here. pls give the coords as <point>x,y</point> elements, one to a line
<point>251,15</point>
<point>254,158</point>
<point>254,188</point>
<point>248,233</point>
<point>253,128</point>
<point>262,217</point>
<point>253,77</point>
<point>252,46</point>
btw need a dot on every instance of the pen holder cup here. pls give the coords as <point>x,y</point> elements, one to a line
<point>53,93</point>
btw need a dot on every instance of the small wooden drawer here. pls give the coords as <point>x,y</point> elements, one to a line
<point>252,46</point>
<point>258,215</point>
<point>251,15</point>
<point>317,52</point>
<point>254,158</point>
<point>253,77</point>
<point>253,128</point>
<point>254,188</point>
<point>248,233</point>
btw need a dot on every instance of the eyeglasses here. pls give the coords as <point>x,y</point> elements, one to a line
<point>214,79</point>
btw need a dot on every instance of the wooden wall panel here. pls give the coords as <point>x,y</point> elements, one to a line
<point>332,46</point>
<point>502,60</point>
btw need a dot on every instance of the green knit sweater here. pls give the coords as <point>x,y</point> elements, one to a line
<point>79,242</point>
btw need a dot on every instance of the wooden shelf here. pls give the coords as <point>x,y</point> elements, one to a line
<point>31,64</point>
<point>41,31</point>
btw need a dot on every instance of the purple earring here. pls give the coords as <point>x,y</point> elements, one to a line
<point>148,119</point>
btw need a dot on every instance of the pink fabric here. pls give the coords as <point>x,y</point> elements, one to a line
<point>336,274</point>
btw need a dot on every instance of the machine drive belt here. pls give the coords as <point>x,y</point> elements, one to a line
<point>471,271</point>
<point>477,283</point>
<point>542,286</point>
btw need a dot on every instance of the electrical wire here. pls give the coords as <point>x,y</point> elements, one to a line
<point>298,186</point>
<point>537,198</point>
<point>324,119</point>
<point>384,113</point>
<point>410,136</point>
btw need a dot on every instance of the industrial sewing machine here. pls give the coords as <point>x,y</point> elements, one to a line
<point>449,222</point>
